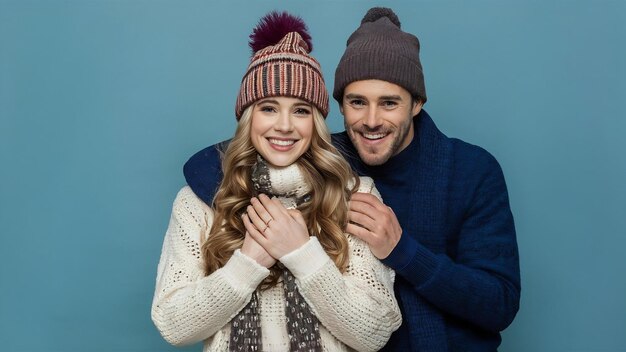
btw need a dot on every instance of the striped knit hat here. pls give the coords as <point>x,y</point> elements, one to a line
<point>281,64</point>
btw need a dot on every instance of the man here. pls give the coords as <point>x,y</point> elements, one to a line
<point>446,227</point>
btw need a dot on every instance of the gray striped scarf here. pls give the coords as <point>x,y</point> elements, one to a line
<point>302,325</point>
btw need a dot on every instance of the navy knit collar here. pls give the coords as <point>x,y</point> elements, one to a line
<point>429,158</point>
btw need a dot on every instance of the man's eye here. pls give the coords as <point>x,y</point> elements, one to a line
<point>389,104</point>
<point>357,102</point>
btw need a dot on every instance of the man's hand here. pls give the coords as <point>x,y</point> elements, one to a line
<point>375,223</point>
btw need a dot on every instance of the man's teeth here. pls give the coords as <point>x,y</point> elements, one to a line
<point>374,135</point>
<point>282,142</point>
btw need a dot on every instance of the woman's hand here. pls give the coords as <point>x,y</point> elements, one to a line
<point>278,230</point>
<point>254,250</point>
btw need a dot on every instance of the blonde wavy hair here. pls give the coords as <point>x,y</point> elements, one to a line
<point>332,183</point>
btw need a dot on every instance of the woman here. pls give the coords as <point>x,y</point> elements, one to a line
<point>268,266</point>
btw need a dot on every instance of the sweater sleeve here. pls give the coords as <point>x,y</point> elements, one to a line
<point>203,171</point>
<point>358,307</point>
<point>188,306</point>
<point>481,285</point>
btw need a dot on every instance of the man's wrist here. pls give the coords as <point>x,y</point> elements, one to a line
<point>402,254</point>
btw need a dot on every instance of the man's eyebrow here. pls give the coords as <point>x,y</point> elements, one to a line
<point>384,97</point>
<point>390,97</point>
<point>354,96</point>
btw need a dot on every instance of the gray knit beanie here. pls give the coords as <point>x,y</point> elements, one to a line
<point>379,49</point>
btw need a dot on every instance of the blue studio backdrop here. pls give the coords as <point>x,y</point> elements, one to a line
<point>101,103</point>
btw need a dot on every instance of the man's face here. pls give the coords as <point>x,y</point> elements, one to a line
<point>378,117</point>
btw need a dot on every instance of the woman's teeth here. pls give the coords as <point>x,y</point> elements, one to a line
<point>282,142</point>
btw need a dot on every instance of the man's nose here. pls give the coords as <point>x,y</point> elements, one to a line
<point>372,119</point>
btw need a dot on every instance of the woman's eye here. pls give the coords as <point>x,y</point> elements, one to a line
<point>302,111</point>
<point>267,109</point>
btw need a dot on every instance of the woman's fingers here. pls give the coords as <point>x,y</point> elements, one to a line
<point>273,206</point>
<point>253,231</point>
<point>255,218</point>
<point>260,208</point>
<point>265,212</point>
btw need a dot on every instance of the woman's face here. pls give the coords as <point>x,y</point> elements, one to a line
<point>281,129</point>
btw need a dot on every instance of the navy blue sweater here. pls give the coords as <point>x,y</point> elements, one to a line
<point>457,263</point>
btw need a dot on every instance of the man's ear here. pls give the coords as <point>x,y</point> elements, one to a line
<point>341,108</point>
<point>417,107</point>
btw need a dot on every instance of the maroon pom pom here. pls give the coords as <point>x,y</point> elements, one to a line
<point>274,26</point>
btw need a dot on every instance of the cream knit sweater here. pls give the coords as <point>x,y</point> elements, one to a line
<point>357,309</point>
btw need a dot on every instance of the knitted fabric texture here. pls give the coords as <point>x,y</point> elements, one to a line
<point>379,49</point>
<point>302,325</point>
<point>285,69</point>
<point>357,309</point>
<point>286,183</point>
